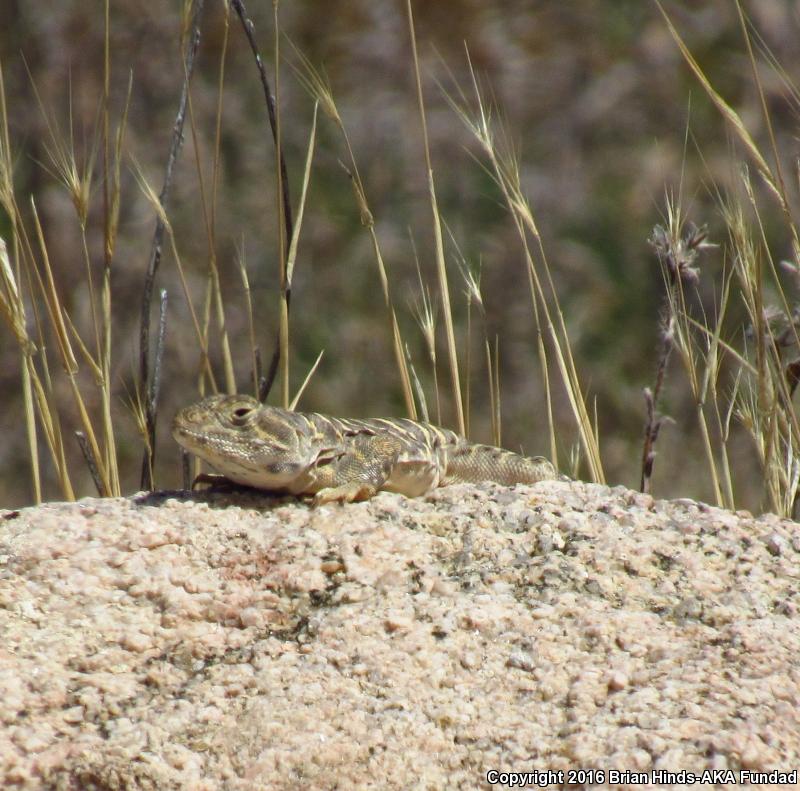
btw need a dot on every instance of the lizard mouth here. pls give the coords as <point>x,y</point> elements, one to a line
<point>235,457</point>
<point>185,436</point>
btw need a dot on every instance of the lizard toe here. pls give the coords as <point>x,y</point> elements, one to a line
<point>346,493</point>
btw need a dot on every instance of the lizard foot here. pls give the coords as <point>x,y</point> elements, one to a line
<point>211,479</point>
<point>346,493</point>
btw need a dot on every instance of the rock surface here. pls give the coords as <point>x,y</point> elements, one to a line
<point>236,641</point>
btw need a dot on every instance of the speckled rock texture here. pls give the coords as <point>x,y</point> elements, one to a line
<point>229,640</point>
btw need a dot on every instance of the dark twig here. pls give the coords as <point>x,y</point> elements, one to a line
<point>151,405</point>
<point>270,99</point>
<point>247,25</point>
<point>265,382</point>
<point>652,423</point>
<point>186,469</point>
<point>678,258</point>
<point>155,253</point>
<point>259,380</point>
<point>155,388</point>
<point>159,356</point>
<point>91,463</point>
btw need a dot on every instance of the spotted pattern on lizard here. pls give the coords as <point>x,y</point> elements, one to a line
<point>340,459</point>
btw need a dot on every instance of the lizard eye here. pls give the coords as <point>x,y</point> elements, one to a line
<point>239,416</point>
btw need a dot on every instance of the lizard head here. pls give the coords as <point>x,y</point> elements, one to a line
<point>246,441</point>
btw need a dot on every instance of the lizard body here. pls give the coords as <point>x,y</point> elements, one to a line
<point>340,459</point>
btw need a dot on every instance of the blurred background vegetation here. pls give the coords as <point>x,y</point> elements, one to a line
<point>596,99</point>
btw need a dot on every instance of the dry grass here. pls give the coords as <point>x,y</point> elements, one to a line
<point>29,253</point>
<point>549,323</point>
<point>762,363</point>
<point>735,380</point>
<point>316,84</point>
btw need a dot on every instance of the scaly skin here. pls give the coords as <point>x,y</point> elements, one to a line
<point>338,459</point>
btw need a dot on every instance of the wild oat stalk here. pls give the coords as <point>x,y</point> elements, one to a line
<point>12,305</point>
<point>38,391</point>
<point>77,179</point>
<point>772,176</point>
<point>474,296</point>
<point>255,365</point>
<point>503,168</point>
<point>111,201</point>
<point>425,313</point>
<point>763,390</point>
<point>441,269</point>
<point>214,295</point>
<point>317,85</point>
<point>765,403</point>
<point>12,309</point>
<point>418,389</point>
<point>300,390</point>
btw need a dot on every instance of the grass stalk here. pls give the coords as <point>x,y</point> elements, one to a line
<point>299,394</point>
<point>205,363</point>
<point>214,290</point>
<point>13,310</point>
<point>68,361</point>
<point>441,269</point>
<point>504,170</point>
<point>190,52</point>
<point>494,392</point>
<point>251,329</point>
<point>318,87</point>
<point>418,389</point>
<point>426,319</point>
<point>283,231</point>
<point>282,181</point>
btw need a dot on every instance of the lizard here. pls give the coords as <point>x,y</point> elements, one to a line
<point>340,459</point>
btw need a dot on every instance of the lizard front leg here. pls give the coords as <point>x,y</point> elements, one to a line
<point>357,475</point>
<point>345,493</point>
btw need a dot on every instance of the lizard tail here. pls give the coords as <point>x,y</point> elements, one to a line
<point>475,463</point>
